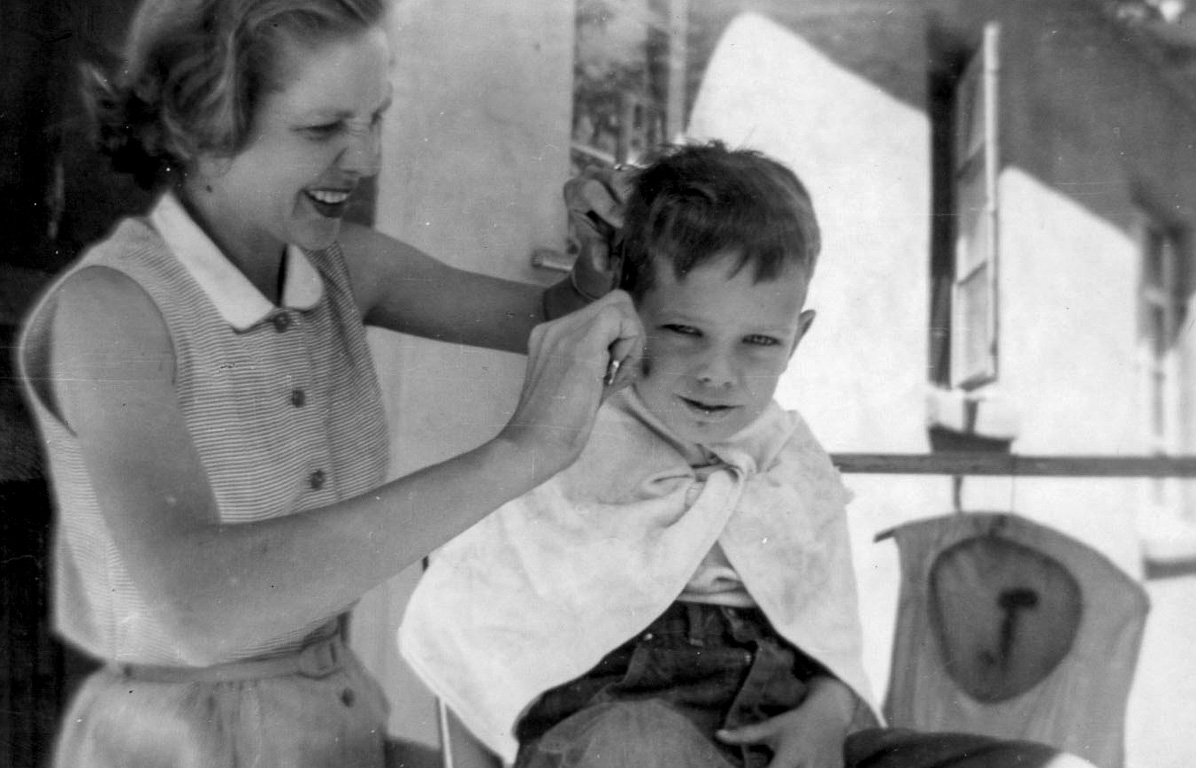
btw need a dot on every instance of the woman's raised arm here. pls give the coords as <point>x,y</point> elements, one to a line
<point>227,586</point>
<point>398,286</point>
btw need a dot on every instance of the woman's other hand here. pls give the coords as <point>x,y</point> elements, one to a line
<point>569,360</point>
<point>594,201</point>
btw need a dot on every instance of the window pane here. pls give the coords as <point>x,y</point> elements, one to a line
<point>969,112</point>
<point>975,345</point>
<point>971,240</point>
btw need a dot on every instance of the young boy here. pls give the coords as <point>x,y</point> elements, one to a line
<point>683,594</point>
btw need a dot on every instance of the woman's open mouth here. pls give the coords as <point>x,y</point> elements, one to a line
<point>329,203</point>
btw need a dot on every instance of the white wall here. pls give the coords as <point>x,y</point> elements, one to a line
<point>1068,335</point>
<point>475,153</point>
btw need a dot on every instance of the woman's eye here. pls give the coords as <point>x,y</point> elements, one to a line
<point>322,132</point>
<point>760,340</point>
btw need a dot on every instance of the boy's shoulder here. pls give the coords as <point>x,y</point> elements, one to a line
<point>778,429</point>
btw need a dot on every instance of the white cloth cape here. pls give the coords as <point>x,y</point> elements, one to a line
<point>535,594</point>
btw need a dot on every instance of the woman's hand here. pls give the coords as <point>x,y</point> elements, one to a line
<point>594,201</point>
<point>567,372</point>
<point>810,736</point>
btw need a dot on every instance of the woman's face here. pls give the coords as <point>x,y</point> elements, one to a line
<point>311,142</point>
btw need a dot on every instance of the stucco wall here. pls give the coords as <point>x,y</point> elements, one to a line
<point>475,153</point>
<point>1088,112</point>
<point>1093,137</point>
<point>1091,118</point>
<point>1068,362</point>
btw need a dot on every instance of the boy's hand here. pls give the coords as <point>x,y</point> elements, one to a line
<point>810,736</point>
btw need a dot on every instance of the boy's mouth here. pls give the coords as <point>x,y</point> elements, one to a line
<point>706,409</point>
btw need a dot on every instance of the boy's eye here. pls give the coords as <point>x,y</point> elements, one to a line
<point>761,340</point>
<point>684,330</point>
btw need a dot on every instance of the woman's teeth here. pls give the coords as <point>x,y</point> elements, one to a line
<point>329,203</point>
<point>329,197</point>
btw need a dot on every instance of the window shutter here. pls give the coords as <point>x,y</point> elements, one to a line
<point>974,314</point>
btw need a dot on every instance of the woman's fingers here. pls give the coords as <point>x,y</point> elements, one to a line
<point>613,335</point>
<point>626,354</point>
<point>598,195</point>
<point>568,362</point>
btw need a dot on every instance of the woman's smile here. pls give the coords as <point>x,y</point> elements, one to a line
<point>329,203</point>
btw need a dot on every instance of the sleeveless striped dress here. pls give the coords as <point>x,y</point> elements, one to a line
<point>285,410</point>
<point>286,415</point>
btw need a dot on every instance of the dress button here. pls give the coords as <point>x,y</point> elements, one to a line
<point>317,479</point>
<point>348,697</point>
<point>298,398</point>
<point>282,321</point>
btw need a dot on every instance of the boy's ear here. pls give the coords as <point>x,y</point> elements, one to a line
<point>804,321</point>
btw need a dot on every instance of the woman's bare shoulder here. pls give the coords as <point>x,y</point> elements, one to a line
<point>106,307</point>
<point>106,334</point>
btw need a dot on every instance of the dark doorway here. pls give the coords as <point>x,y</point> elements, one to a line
<point>56,195</point>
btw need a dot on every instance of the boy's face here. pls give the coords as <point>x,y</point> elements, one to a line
<point>717,344</point>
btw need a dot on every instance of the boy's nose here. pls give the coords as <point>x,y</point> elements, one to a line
<point>716,371</point>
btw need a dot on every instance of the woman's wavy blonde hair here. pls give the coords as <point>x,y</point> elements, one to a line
<point>193,73</point>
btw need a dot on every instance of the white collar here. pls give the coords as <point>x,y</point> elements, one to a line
<point>237,300</point>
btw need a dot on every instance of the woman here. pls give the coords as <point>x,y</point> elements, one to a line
<point>212,417</point>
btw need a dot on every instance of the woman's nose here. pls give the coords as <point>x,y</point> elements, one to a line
<point>363,155</point>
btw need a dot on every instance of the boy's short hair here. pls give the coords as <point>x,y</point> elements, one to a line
<point>693,203</point>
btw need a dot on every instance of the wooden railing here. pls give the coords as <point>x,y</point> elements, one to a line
<point>1012,465</point>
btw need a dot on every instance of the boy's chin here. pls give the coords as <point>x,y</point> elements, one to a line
<point>702,433</point>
